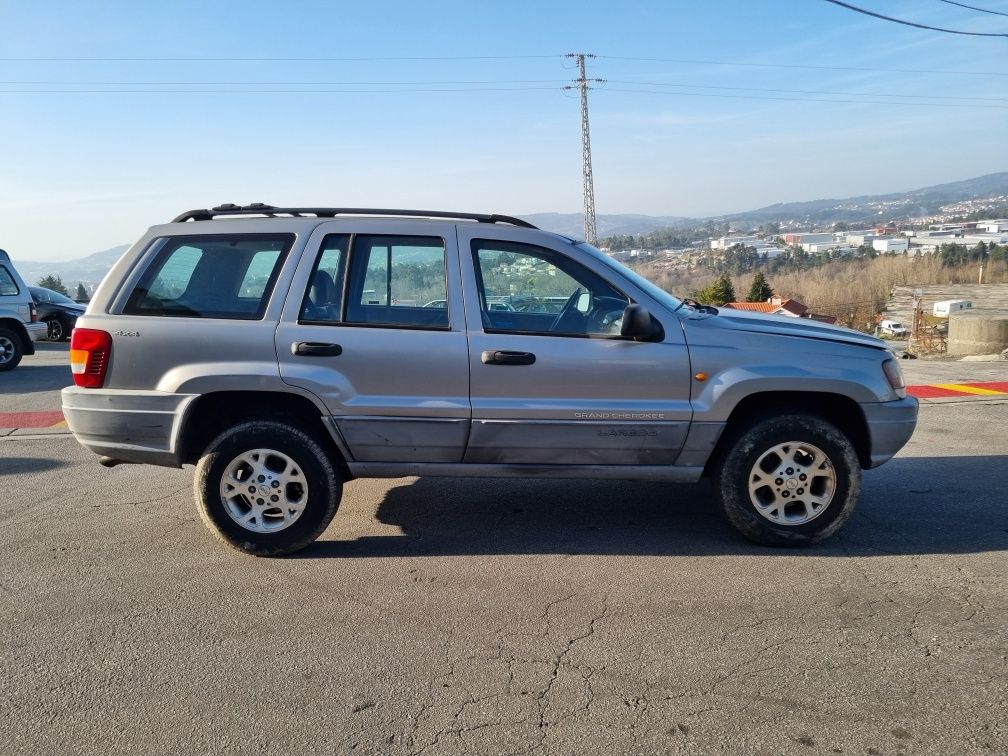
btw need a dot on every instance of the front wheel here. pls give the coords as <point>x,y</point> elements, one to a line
<point>789,480</point>
<point>57,329</point>
<point>266,488</point>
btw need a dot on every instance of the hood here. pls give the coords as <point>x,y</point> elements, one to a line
<point>757,322</point>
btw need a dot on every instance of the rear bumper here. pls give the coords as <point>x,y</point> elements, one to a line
<point>37,331</point>
<point>132,426</point>
<point>890,426</point>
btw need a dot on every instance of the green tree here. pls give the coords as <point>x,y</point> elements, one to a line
<point>760,290</point>
<point>718,293</point>
<point>53,282</point>
<point>82,294</point>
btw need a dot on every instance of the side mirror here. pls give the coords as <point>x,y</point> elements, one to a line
<point>637,323</point>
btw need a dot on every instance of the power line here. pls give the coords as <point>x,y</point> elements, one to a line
<point>911,23</point>
<point>468,85</point>
<point>692,61</point>
<point>274,60</point>
<point>277,91</point>
<point>807,91</point>
<point>449,90</point>
<point>973,7</point>
<point>804,99</point>
<point>281,83</point>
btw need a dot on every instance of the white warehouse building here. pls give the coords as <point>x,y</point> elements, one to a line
<point>891,244</point>
<point>730,241</point>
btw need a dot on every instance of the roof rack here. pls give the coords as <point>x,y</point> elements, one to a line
<point>258,208</point>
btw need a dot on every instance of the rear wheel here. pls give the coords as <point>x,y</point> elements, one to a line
<point>11,350</point>
<point>789,480</point>
<point>266,488</point>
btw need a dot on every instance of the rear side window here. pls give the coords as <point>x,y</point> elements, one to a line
<point>7,286</point>
<point>398,281</point>
<point>214,276</point>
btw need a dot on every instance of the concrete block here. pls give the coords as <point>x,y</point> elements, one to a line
<point>978,332</point>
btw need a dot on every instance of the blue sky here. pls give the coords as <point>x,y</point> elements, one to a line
<point>81,171</point>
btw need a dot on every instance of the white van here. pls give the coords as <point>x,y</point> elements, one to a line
<point>19,326</point>
<point>893,328</point>
<point>946,308</point>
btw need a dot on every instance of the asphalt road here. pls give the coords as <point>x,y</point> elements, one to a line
<point>481,616</point>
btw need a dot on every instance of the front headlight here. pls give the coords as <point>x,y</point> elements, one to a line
<point>894,374</point>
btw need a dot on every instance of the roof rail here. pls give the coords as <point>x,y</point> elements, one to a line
<point>258,208</point>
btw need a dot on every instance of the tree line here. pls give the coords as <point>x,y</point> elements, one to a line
<point>55,283</point>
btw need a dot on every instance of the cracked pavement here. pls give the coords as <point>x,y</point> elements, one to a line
<point>508,617</point>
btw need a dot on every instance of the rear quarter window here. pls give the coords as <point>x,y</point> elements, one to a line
<point>8,287</point>
<point>215,276</point>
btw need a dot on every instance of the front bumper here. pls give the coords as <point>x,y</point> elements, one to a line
<point>132,426</point>
<point>890,426</point>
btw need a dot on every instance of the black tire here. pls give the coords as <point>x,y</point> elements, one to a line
<point>732,478</point>
<point>11,349</point>
<point>58,329</point>
<point>322,488</point>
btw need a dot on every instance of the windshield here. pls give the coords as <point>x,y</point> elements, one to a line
<point>48,295</point>
<point>652,289</point>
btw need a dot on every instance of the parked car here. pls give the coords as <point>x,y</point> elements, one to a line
<point>57,311</point>
<point>893,328</point>
<point>19,323</point>
<point>270,353</point>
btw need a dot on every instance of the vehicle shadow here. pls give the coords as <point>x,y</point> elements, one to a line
<point>19,465</point>
<point>917,505</point>
<point>27,378</point>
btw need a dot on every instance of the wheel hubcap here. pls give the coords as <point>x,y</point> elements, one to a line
<point>55,330</point>
<point>792,483</point>
<point>264,490</point>
<point>6,349</point>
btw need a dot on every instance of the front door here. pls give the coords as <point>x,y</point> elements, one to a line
<point>552,382</point>
<point>374,325</point>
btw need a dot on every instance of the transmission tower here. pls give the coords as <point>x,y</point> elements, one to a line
<point>582,83</point>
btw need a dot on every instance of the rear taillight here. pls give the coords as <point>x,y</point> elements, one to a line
<point>894,375</point>
<point>90,351</point>
<point>33,311</point>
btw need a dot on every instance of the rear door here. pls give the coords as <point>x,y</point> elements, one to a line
<point>374,325</point>
<point>552,382</point>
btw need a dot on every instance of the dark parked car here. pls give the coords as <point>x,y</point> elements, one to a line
<point>58,312</point>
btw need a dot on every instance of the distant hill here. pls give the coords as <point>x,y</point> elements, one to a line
<point>88,270</point>
<point>912,203</point>
<point>572,224</point>
<point>867,208</point>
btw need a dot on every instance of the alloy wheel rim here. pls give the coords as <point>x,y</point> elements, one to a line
<point>263,491</point>
<point>6,349</point>
<point>55,330</point>
<point>792,483</point>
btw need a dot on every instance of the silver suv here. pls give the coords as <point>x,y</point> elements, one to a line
<point>293,349</point>
<point>19,324</point>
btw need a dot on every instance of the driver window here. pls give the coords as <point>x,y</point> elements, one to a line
<point>529,289</point>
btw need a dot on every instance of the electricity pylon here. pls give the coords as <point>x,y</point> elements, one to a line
<point>582,83</point>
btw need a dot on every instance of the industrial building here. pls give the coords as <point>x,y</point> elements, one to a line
<point>891,244</point>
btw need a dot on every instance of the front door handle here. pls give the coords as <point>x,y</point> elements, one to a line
<point>504,357</point>
<point>316,349</point>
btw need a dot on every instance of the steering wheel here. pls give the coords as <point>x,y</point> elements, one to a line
<point>568,306</point>
<point>606,314</point>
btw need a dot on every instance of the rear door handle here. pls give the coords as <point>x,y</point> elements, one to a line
<point>504,357</point>
<point>316,349</point>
